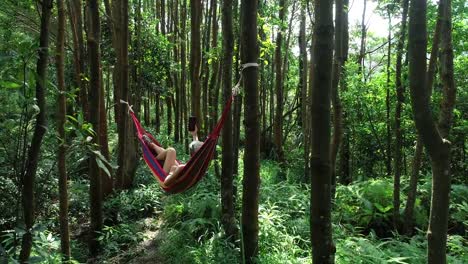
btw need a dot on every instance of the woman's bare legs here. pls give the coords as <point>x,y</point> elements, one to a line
<point>173,174</point>
<point>168,155</point>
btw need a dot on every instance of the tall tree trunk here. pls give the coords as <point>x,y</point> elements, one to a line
<point>362,49</point>
<point>107,183</point>
<point>433,138</point>
<point>320,200</point>
<point>227,191</point>
<point>74,10</point>
<point>95,93</point>
<point>213,85</point>
<point>237,108</point>
<point>336,101</point>
<point>278,124</point>
<point>400,92</point>
<point>40,128</point>
<point>183,65</point>
<point>251,182</point>
<point>205,71</point>
<point>127,157</point>
<point>62,149</point>
<point>303,68</point>
<point>82,56</point>
<point>113,15</point>
<point>178,113</point>
<point>388,162</point>
<point>417,159</point>
<point>345,148</point>
<point>195,58</point>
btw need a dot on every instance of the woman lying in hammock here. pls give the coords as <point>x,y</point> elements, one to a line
<point>167,157</point>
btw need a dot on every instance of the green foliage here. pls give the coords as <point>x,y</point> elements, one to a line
<point>115,239</point>
<point>365,204</point>
<point>46,246</point>
<point>193,231</point>
<point>133,204</point>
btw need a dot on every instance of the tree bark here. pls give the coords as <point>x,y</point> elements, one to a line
<point>107,183</point>
<point>320,200</point>
<point>338,64</point>
<point>82,57</point>
<point>251,182</point>
<point>417,159</point>
<point>278,124</point>
<point>195,58</point>
<point>388,151</point>
<point>62,149</point>
<point>40,128</point>
<point>433,138</point>
<point>183,65</point>
<point>95,93</point>
<point>227,190</point>
<point>127,156</point>
<point>78,56</point>
<point>237,107</point>
<point>400,92</point>
<point>345,148</point>
<point>362,49</point>
<point>213,85</point>
<point>303,68</point>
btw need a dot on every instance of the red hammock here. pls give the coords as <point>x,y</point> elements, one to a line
<point>197,165</point>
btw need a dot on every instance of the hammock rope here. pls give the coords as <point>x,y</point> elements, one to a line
<point>197,165</point>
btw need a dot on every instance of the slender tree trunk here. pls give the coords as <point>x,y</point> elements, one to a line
<point>178,115</point>
<point>95,93</point>
<point>74,17</point>
<point>127,157</point>
<point>40,128</point>
<point>278,124</point>
<point>195,58</point>
<point>336,101</point>
<point>303,68</point>
<point>62,149</point>
<point>417,159</point>
<point>251,182</point>
<point>307,136</point>
<point>345,148</point>
<point>213,85</point>
<point>237,108</point>
<point>362,50</point>
<point>433,138</point>
<point>400,90</point>
<point>107,183</point>
<point>82,56</point>
<point>183,65</point>
<point>323,248</point>
<point>227,191</point>
<point>205,72</point>
<point>388,162</point>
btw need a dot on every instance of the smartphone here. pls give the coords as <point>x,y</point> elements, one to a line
<point>192,123</point>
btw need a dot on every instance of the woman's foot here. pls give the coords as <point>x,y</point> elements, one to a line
<point>147,139</point>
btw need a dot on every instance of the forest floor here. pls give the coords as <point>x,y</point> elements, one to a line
<point>147,250</point>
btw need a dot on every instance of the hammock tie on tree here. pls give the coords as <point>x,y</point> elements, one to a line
<point>197,165</point>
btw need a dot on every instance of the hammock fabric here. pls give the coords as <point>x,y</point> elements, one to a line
<point>197,165</point>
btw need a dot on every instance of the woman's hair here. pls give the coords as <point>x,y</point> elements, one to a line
<point>194,146</point>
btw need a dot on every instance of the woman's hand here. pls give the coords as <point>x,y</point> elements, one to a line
<point>194,133</point>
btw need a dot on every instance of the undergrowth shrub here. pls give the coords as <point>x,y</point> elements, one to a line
<point>45,246</point>
<point>192,232</point>
<point>133,204</point>
<point>115,239</point>
<point>367,204</point>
